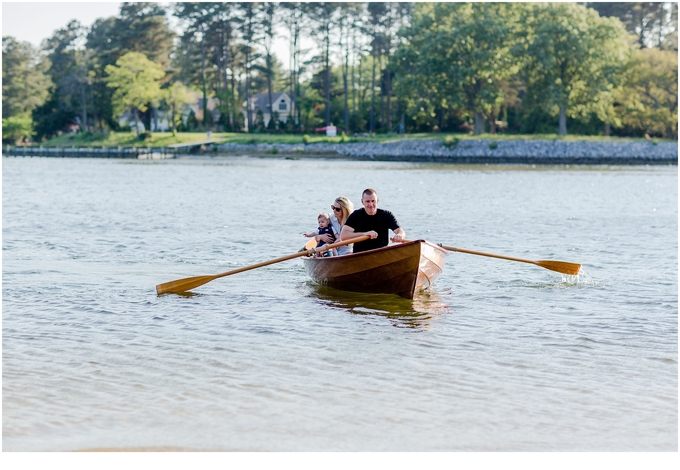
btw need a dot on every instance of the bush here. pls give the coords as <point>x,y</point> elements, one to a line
<point>275,150</point>
<point>16,128</point>
<point>146,135</point>
<point>493,145</point>
<point>343,138</point>
<point>450,141</point>
<point>306,139</point>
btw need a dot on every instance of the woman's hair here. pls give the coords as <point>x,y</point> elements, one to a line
<point>347,208</point>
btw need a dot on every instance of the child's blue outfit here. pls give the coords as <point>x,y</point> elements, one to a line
<point>329,231</point>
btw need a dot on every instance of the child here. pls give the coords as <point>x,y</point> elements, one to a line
<point>324,227</point>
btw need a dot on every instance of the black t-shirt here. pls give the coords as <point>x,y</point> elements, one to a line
<point>382,222</point>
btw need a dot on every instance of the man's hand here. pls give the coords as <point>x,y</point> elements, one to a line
<point>372,234</point>
<point>397,238</point>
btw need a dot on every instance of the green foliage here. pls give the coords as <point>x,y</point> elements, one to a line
<point>650,98</point>
<point>25,85</point>
<point>493,145</point>
<point>464,50</point>
<point>135,80</point>
<point>457,67</point>
<point>275,150</point>
<point>450,141</point>
<point>573,59</point>
<point>177,97</point>
<point>16,129</point>
<point>306,139</point>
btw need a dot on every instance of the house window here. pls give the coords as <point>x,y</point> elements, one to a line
<point>283,106</point>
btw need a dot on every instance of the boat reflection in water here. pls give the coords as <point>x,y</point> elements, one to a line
<point>417,313</point>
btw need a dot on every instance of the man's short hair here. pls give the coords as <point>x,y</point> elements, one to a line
<point>368,191</point>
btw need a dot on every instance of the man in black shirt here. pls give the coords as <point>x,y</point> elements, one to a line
<point>373,222</point>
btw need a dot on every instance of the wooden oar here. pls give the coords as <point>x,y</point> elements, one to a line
<point>310,244</point>
<point>559,266</point>
<point>186,284</point>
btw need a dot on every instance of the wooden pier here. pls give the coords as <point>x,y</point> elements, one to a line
<point>139,153</point>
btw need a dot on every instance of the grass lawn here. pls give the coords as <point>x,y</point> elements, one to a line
<point>162,139</point>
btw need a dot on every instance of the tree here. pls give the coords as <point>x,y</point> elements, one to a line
<point>322,15</point>
<point>199,18</point>
<point>651,22</point>
<point>462,52</point>
<point>650,97</point>
<point>16,129</point>
<point>573,56</point>
<point>177,97</point>
<point>99,43</point>
<point>294,21</point>
<point>139,27</point>
<point>223,53</point>
<point>269,10</point>
<point>251,37</point>
<point>143,27</point>
<point>25,84</point>
<point>136,82</point>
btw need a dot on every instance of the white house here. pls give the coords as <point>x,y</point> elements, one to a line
<point>260,101</point>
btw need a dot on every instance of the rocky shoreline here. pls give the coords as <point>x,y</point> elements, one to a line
<point>477,151</point>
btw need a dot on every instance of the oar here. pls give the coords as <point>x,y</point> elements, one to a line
<point>186,284</point>
<point>310,244</point>
<point>559,266</point>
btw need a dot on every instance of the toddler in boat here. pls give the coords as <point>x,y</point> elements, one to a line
<point>325,227</point>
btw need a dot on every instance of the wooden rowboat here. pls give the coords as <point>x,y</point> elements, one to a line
<point>401,269</point>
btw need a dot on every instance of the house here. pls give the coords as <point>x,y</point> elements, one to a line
<point>260,101</point>
<point>197,107</point>
<point>161,119</point>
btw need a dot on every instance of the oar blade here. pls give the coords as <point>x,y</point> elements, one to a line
<point>560,266</point>
<point>182,285</point>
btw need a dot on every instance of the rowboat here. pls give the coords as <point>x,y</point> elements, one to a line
<point>402,269</point>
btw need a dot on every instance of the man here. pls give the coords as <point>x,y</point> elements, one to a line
<point>373,222</point>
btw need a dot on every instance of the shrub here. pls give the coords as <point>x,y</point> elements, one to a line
<point>275,150</point>
<point>450,141</point>
<point>493,145</point>
<point>16,129</point>
<point>306,139</point>
<point>146,135</point>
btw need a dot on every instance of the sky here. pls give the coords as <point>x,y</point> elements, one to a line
<point>35,21</point>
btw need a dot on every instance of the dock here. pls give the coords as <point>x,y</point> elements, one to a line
<point>140,153</point>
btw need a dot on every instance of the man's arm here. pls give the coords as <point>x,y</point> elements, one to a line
<point>348,233</point>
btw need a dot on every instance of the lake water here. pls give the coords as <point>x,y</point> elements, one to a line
<point>498,356</point>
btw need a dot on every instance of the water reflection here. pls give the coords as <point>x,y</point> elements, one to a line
<point>402,313</point>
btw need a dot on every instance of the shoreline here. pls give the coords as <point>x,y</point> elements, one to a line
<point>537,152</point>
<point>472,152</point>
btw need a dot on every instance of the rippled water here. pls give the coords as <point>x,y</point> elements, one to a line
<point>498,356</point>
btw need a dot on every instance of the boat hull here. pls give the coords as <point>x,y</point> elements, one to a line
<point>401,269</point>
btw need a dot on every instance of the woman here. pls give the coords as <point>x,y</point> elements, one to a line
<point>342,208</point>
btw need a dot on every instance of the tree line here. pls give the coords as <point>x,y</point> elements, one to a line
<point>589,68</point>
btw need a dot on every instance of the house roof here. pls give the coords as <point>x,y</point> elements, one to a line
<point>261,100</point>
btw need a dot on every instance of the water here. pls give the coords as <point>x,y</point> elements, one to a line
<point>498,356</point>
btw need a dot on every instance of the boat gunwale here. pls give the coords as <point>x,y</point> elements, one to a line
<point>377,250</point>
